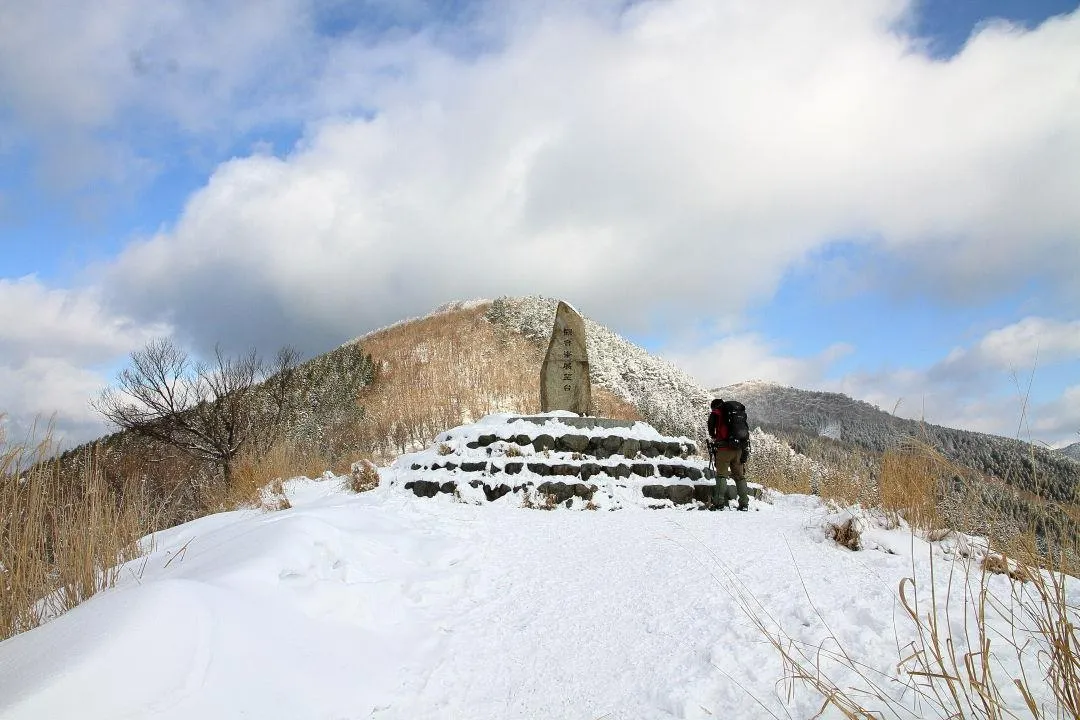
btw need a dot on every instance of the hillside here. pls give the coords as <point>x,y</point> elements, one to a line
<point>392,390</point>
<point>675,403</point>
<point>807,413</point>
<point>1072,451</point>
<point>672,401</point>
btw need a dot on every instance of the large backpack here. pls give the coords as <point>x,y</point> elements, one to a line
<point>735,417</point>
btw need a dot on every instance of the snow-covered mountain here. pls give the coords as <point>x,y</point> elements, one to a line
<point>672,401</point>
<point>794,412</point>
<point>1072,451</point>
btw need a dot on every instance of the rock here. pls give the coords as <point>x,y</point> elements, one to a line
<point>619,471</point>
<point>703,493</point>
<point>522,440</point>
<point>680,494</point>
<point>543,442</point>
<point>689,450</point>
<point>643,469</point>
<point>692,473</point>
<point>708,473</point>
<point>572,443</point>
<point>666,471</point>
<point>494,493</point>
<point>448,487</point>
<point>656,492</point>
<point>541,469</point>
<point>583,491</point>
<point>472,445</point>
<point>611,443</point>
<point>648,449</point>
<point>564,374</point>
<point>425,488</point>
<point>590,469</point>
<point>485,440</point>
<point>565,469</point>
<point>409,485</point>
<point>473,466</point>
<point>678,471</point>
<point>416,466</point>
<point>629,447</point>
<point>601,453</point>
<point>672,449</point>
<point>560,491</point>
<point>513,468</point>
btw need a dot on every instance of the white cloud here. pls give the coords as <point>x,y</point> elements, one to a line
<point>1032,340</point>
<point>50,341</point>
<point>749,356</point>
<point>614,159</point>
<point>975,387</point>
<point>92,83</point>
<point>1059,420</point>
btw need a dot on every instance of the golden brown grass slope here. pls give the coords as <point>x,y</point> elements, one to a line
<point>61,540</point>
<point>447,369</point>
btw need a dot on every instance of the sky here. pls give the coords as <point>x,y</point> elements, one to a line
<point>868,196</point>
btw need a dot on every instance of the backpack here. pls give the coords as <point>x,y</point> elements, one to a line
<point>735,416</point>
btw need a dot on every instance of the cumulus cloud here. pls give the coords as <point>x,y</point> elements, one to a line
<point>91,84</point>
<point>976,387</point>
<point>50,341</point>
<point>611,158</point>
<point>749,356</point>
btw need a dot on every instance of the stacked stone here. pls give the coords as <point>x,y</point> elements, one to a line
<point>562,467</point>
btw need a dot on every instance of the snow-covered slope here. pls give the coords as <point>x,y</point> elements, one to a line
<point>1072,451</point>
<point>383,605</point>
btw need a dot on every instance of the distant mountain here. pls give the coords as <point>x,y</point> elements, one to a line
<point>1072,451</point>
<point>787,410</point>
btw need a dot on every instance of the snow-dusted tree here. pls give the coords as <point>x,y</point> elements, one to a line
<point>211,411</point>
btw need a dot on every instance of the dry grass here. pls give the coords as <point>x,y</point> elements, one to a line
<point>911,484</point>
<point>955,665</point>
<point>846,533</point>
<point>60,541</point>
<point>455,367</point>
<point>254,478</point>
<point>364,476</point>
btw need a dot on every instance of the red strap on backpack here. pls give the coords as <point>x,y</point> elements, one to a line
<point>721,426</point>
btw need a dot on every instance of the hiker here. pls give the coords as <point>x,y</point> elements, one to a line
<point>729,440</point>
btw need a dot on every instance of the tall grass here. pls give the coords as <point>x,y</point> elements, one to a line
<point>449,368</point>
<point>967,651</point>
<point>60,541</point>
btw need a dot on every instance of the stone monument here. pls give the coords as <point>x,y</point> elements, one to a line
<point>564,376</point>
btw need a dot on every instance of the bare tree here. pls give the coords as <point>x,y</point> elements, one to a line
<point>210,411</point>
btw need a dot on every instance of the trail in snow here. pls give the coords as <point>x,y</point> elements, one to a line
<point>387,606</point>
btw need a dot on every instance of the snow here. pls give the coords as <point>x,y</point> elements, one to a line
<point>383,605</point>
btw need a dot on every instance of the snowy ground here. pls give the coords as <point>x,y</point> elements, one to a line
<point>383,605</point>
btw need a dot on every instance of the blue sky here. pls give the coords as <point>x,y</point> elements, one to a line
<point>887,203</point>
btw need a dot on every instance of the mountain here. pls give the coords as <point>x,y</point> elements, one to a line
<point>1072,451</point>
<point>809,414</point>
<point>465,360</point>
<point>675,403</point>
